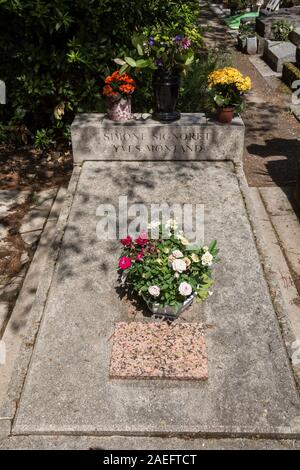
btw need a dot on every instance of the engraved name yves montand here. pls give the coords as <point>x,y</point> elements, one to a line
<point>160,141</point>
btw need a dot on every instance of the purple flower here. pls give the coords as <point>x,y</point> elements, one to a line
<point>151,41</point>
<point>186,43</point>
<point>177,39</point>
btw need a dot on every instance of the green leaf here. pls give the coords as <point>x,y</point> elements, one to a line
<point>119,61</point>
<point>130,61</point>
<point>140,49</point>
<point>124,68</point>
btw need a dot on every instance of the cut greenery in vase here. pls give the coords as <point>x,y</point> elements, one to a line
<point>167,272</point>
<point>169,52</point>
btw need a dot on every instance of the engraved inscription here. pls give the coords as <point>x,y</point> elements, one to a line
<point>161,142</point>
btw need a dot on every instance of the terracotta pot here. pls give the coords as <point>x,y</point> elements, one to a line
<point>119,110</point>
<point>225,114</point>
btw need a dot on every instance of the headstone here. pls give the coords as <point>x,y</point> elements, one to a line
<point>278,52</point>
<point>294,36</point>
<point>252,45</point>
<point>193,137</point>
<point>2,92</point>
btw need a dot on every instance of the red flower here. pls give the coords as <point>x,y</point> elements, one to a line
<point>126,241</point>
<point>142,239</point>
<point>124,262</point>
<point>139,257</point>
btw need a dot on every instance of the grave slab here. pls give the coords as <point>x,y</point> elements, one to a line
<point>193,137</point>
<point>276,53</point>
<point>250,389</point>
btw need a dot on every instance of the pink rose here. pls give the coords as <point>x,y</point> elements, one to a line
<point>124,262</point>
<point>126,241</point>
<point>139,257</point>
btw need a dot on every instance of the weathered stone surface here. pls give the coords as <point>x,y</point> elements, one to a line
<point>250,388</point>
<point>264,22</point>
<point>193,137</point>
<point>31,237</point>
<point>252,45</point>
<point>263,68</point>
<point>278,52</point>
<point>10,198</point>
<point>294,36</point>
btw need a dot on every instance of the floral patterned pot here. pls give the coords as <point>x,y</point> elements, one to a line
<point>225,115</point>
<point>119,110</point>
<point>169,311</point>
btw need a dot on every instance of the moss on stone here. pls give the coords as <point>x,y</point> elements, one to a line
<point>290,73</point>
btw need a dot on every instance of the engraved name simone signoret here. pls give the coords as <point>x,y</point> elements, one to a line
<point>160,141</point>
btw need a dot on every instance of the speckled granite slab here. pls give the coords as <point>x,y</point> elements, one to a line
<point>158,350</point>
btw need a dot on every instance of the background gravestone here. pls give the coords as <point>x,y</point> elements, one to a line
<point>276,53</point>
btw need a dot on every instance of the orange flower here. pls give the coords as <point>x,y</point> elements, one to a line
<point>127,88</point>
<point>115,83</point>
<point>108,91</point>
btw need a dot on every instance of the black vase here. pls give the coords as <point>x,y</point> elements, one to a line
<point>166,91</point>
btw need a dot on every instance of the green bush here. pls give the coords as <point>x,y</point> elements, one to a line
<point>55,54</point>
<point>281,30</point>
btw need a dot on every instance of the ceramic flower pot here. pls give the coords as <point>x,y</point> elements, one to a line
<point>225,115</point>
<point>169,311</point>
<point>119,110</point>
<point>166,91</point>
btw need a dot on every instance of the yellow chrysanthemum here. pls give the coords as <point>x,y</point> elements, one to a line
<point>229,76</point>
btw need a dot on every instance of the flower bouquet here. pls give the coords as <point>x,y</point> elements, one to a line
<point>117,91</point>
<point>168,52</point>
<point>167,273</point>
<point>228,87</point>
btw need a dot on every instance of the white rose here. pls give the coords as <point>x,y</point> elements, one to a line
<point>195,258</point>
<point>187,261</point>
<point>154,291</point>
<point>205,248</point>
<point>185,289</point>
<point>184,241</point>
<point>207,259</point>
<point>171,223</point>
<point>179,265</point>
<point>177,254</point>
<point>171,258</point>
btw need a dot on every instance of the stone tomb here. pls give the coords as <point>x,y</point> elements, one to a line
<point>250,390</point>
<point>264,22</point>
<point>193,137</point>
<point>276,53</point>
